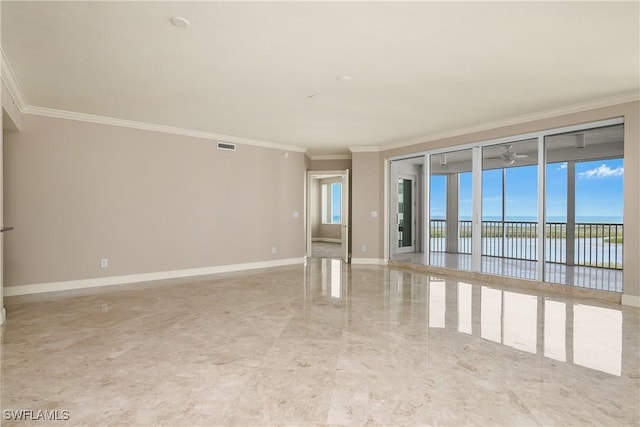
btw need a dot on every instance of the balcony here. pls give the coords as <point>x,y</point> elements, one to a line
<point>594,260</point>
<point>572,178</point>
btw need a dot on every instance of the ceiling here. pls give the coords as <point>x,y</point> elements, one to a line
<point>270,71</point>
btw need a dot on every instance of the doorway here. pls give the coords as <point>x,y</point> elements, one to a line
<point>327,219</point>
<point>406,205</point>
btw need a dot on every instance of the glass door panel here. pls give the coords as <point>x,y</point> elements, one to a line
<point>450,201</point>
<point>584,224</point>
<point>510,209</point>
<point>406,203</point>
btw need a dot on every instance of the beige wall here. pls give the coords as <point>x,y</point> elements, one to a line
<point>367,192</point>
<point>630,112</point>
<point>329,165</point>
<point>78,192</point>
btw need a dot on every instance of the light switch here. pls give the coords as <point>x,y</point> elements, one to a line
<point>374,214</point>
<point>296,214</point>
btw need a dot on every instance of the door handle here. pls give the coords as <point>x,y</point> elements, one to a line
<point>3,229</point>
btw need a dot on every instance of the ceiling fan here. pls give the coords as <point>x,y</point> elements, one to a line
<point>509,156</point>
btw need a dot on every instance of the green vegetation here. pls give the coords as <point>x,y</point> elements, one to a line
<point>611,234</point>
<point>615,239</point>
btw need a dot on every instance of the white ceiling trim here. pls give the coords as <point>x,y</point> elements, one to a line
<point>331,157</point>
<point>364,149</point>
<point>90,118</point>
<point>569,109</point>
<point>9,79</point>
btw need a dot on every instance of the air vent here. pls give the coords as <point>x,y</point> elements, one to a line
<point>226,146</point>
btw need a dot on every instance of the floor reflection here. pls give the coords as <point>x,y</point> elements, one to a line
<point>529,323</point>
<point>322,344</point>
<point>597,338</point>
<point>555,324</point>
<point>584,277</point>
<point>326,278</point>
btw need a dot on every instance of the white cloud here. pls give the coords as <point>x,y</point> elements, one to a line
<point>562,166</point>
<point>602,171</point>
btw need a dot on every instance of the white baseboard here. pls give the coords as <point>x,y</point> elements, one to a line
<point>631,300</point>
<point>368,261</point>
<point>326,240</point>
<point>144,277</point>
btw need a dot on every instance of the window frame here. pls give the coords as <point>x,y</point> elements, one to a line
<point>326,203</point>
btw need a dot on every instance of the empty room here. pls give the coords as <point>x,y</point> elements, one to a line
<point>218,213</point>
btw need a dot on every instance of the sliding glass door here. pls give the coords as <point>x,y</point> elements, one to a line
<point>450,197</point>
<point>545,206</point>
<point>510,209</point>
<point>584,224</point>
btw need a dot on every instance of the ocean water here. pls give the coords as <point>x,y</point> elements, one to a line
<point>579,219</point>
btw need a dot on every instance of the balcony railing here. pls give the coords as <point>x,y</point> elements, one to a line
<point>595,245</point>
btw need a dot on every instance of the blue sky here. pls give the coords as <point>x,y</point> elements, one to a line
<point>598,191</point>
<point>336,201</point>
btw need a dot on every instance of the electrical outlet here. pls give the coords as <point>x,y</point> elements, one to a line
<point>274,250</point>
<point>104,262</point>
<point>296,214</point>
<point>374,214</point>
<point>364,248</point>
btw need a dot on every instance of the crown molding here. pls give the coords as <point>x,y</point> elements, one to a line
<point>331,157</point>
<point>546,114</point>
<point>90,118</point>
<point>11,83</point>
<point>365,149</point>
<point>9,79</point>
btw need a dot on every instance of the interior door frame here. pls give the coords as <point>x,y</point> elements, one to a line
<point>345,211</point>
<point>394,169</point>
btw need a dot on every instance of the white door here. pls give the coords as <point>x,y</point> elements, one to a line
<point>345,216</point>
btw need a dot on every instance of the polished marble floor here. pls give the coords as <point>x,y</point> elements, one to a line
<point>320,344</point>
<point>326,250</point>
<point>584,277</point>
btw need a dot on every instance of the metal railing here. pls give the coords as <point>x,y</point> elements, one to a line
<point>599,245</point>
<point>438,235</point>
<point>464,237</point>
<point>595,245</point>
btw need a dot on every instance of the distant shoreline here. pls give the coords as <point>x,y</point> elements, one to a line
<point>579,219</point>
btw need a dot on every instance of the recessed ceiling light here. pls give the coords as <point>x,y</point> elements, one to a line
<point>180,22</point>
<point>344,79</point>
